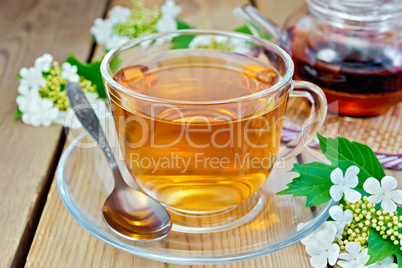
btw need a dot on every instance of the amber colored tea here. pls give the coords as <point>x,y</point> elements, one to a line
<point>365,81</point>
<point>190,151</point>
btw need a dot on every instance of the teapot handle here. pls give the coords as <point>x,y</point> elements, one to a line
<point>255,20</point>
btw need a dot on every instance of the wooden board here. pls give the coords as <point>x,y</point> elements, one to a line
<point>60,241</point>
<point>28,29</point>
<point>278,11</point>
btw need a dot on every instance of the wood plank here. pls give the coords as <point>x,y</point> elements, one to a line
<point>278,11</point>
<point>79,248</point>
<point>60,241</point>
<point>29,28</point>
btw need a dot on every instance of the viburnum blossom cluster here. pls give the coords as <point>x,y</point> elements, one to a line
<point>344,238</point>
<point>42,99</point>
<point>123,24</point>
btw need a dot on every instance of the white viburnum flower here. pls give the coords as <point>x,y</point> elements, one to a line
<point>388,262</point>
<point>326,226</point>
<point>322,249</point>
<point>384,193</point>
<point>341,218</point>
<point>69,72</point>
<point>69,119</point>
<point>115,40</point>
<point>32,78</point>
<point>166,24</point>
<point>102,30</point>
<point>236,45</point>
<point>170,9</point>
<point>36,111</point>
<point>119,14</point>
<point>355,258</point>
<point>44,62</point>
<point>201,41</point>
<point>23,90</point>
<point>345,184</point>
<point>240,46</point>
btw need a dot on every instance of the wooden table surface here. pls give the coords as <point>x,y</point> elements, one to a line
<point>37,230</point>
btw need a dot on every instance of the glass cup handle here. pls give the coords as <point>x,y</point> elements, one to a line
<point>317,115</point>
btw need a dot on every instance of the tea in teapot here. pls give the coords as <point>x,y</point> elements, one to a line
<point>351,49</point>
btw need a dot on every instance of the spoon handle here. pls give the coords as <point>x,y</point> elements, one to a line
<point>88,118</point>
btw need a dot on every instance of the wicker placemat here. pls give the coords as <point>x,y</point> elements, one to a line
<point>382,133</point>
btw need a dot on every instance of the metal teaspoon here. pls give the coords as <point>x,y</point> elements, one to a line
<point>126,211</point>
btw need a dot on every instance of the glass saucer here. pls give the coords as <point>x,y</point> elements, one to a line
<point>84,186</point>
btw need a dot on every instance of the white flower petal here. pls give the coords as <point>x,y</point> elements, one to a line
<point>69,72</point>
<point>336,192</point>
<point>396,196</point>
<point>201,41</point>
<point>346,264</point>
<point>119,14</point>
<point>314,247</point>
<point>389,183</point>
<point>336,212</point>
<point>352,195</point>
<point>115,40</point>
<point>170,9</point>
<point>351,182</point>
<point>23,89</point>
<point>372,186</point>
<point>145,43</point>
<point>388,205</point>
<point>166,24</point>
<point>352,172</point>
<point>348,216</point>
<point>32,78</point>
<point>23,71</point>
<point>388,262</point>
<point>319,261</point>
<point>363,257</point>
<point>326,236</point>
<point>353,248</point>
<point>44,62</point>
<point>102,30</point>
<point>376,198</point>
<point>337,176</point>
<point>333,254</point>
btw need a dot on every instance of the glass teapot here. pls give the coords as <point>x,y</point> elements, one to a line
<point>352,49</point>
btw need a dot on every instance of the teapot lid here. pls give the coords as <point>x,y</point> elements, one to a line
<point>358,14</point>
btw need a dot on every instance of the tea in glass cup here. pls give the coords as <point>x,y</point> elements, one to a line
<point>200,129</point>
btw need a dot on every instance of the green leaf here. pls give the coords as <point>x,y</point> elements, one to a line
<point>343,153</point>
<point>115,63</point>
<point>243,29</point>
<point>91,72</point>
<point>246,30</point>
<point>182,41</point>
<point>314,182</point>
<point>379,249</point>
<point>181,25</point>
<point>18,76</point>
<point>18,114</point>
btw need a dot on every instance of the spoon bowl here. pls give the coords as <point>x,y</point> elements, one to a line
<point>135,220</point>
<point>128,212</point>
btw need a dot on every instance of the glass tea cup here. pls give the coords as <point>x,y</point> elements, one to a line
<point>199,127</point>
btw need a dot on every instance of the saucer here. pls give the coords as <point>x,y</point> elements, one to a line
<point>84,181</point>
